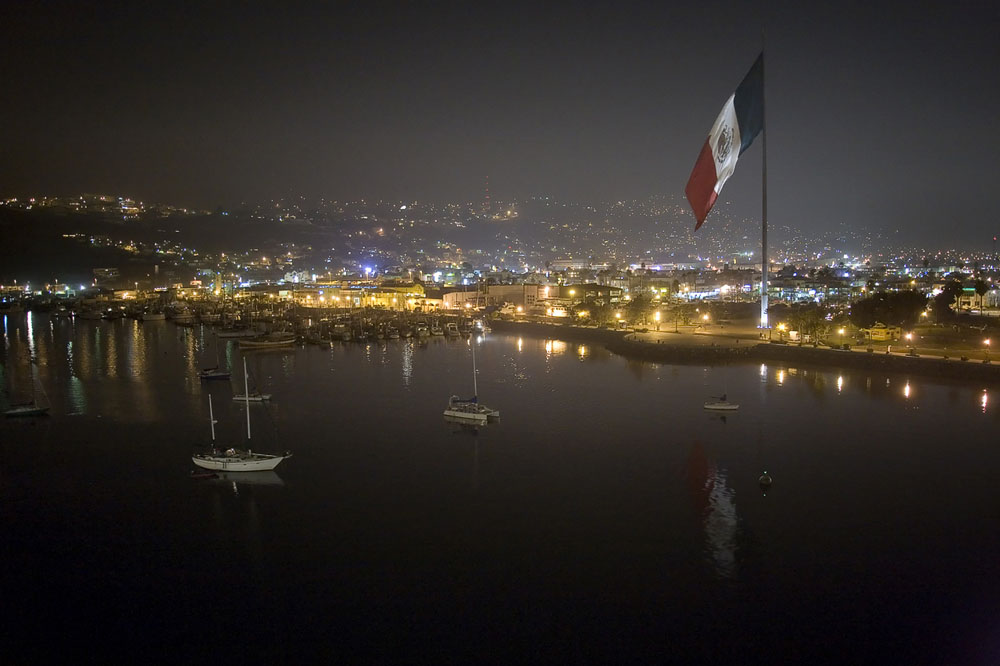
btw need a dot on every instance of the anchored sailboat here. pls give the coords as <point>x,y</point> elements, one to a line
<point>34,407</point>
<point>217,372</point>
<point>233,459</point>
<point>469,409</point>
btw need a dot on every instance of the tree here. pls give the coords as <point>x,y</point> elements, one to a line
<point>941,304</point>
<point>901,308</point>
<point>981,289</point>
<point>639,308</point>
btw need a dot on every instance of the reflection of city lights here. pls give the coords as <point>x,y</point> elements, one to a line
<point>840,383</point>
<point>520,344</point>
<point>781,376</point>
<point>984,400</point>
<point>906,390</point>
<point>763,370</point>
<point>582,350</point>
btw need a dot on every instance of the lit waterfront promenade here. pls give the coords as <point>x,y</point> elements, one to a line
<point>741,341</point>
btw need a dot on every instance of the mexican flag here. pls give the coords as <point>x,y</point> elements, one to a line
<point>741,120</point>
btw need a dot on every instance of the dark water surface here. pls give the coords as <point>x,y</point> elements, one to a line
<point>606,518</point>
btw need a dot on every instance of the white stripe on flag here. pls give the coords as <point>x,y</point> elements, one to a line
<point>725,142</point>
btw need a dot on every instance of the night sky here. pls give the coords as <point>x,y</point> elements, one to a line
<point>880,115</point>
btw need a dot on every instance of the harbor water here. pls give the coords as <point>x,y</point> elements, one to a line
<point>606,517</point>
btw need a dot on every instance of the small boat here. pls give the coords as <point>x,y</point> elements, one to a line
<point>465,409</point>
<point>451,329</point>
<point>253,397</point>
<point>270,341</point>
<point>34,407</point>
<point>720,404</point>
<point>27,409</point>
<point>217,371</point>
<point>236,333</point>
<point>152,316</point>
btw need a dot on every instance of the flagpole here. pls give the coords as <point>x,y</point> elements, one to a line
<point>763,236</point>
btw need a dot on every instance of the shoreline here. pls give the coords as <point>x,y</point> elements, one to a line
<point>711,350</point>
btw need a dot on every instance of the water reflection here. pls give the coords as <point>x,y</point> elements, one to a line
<point>407,363</point>
<point>715,506</point>
<point>555,348</point>
<point>268,478</point>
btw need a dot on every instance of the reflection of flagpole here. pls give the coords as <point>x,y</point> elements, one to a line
<point>763,201</point>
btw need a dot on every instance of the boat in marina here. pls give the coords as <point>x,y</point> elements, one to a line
<point>33,407</point>
<point>451,330</point>
<point>216,372</point>
<point>152,316</point>
<point>253,397</point>
<point>721,404</point>
<point>342,332</point>
<point>436,329</point>
<point>233,459</point>
<point>269,341</point>
<point>236,332</point>
<point>469,409</point>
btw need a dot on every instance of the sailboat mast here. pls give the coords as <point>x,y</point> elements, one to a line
<point>246,395</point>
<point>211,418</point>
<point>475,389</point>
<point>763,233</point>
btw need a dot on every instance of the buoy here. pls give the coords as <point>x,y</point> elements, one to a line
<point>764,481</point>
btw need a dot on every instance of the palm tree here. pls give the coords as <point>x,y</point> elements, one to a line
<point>981,289</point>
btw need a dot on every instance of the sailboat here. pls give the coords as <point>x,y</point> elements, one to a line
<point>469,409</point>
<point>233,459</point>
<point>34,407</point>
<point>255,396</point>
<point>721,404</point>
<point>216,372</point>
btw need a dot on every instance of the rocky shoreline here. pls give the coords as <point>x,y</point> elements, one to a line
<point>622,343</point>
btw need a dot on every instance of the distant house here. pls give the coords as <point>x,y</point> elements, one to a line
<point>881,333</point>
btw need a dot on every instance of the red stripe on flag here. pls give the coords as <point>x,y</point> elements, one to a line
<point>700,189</point>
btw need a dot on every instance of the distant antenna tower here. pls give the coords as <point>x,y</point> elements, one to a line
<point>486,204</point>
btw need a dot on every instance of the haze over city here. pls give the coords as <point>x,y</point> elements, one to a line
<point>875,112</point>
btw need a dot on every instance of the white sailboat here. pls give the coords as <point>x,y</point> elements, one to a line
<point>34,407</point>
<point>721,404</point>
<point>252,396</point>
<point>216,372</point>
<point>469,409</point>
<point>233,459</point>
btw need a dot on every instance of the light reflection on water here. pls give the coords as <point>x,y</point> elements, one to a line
<point>604,478</point>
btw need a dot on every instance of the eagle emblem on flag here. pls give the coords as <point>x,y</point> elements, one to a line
<point>724,145</point>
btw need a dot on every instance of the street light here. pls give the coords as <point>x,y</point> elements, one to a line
<point>656,318</point>
<point>987,343</point>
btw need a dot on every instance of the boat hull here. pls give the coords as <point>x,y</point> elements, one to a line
<point>266,344</point>
<point>721,407</point>
<point>242,461</point>
<point>26,410</point>
<point>466,416</point>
